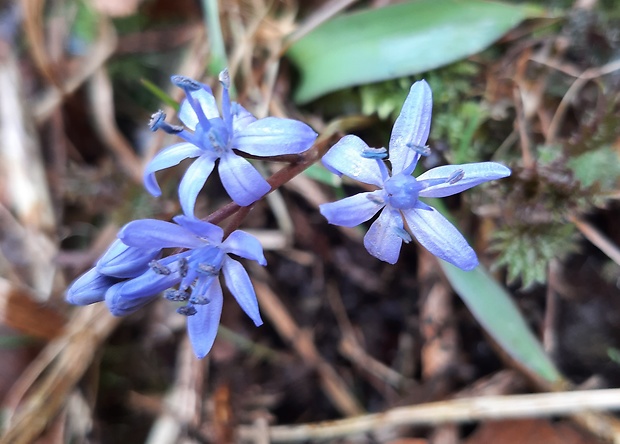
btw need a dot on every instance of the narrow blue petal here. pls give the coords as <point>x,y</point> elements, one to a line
<point>240,285</point>
<point>205,230</point>
<point>411,127</point>
<point>207,102</point>
<point>89,288</point>
<point>352,211</point>
<point>166,158</point>
<point>440,237</point>
<point>273,136</point>
<point>452,179</point>
<point>202,327</point>
<point>193,181</point>
<point>241,117</point>
<point>383,239</point>
<point>150,233</point>
<point>345,157</point>
<point>245,245</point>
<point>243,183</point>
<point>121,305</point>
<point>123,261</point>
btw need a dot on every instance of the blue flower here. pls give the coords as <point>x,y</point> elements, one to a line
<point>190,276</point>
<point>398,192</point>
<point>209,137</point>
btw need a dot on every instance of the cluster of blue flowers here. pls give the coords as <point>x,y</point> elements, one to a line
<point>138,266</point>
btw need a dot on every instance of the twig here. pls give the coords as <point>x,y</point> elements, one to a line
<point>455,411</point>
<point>598,239</point>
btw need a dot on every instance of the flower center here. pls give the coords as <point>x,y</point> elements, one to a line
<point>218,136</point>
<point>402,191</point>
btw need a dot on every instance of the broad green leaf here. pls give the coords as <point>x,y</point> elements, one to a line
<point>397,40</point>
<point>494,309</point>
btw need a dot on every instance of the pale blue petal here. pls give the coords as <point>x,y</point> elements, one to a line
<point>193,181</point>
<point>241,117</point>
<point>166,158</point>
<point>123,261</point>
<point>352,211</point>
<point>240,285</point>
<point>202,326</point>
<point>384,237</point>
<point>243,183</point>
<point>440,237</point>
<point>345,157</point>
<point>150,233</point>
<point>121,301</point>
<point>436,182</point>
<point>245,245</point>
<point>411,127</point>
<point>273,136</point>
<point>201,228</point>
<point>89,288</point>
<point>207,103</point>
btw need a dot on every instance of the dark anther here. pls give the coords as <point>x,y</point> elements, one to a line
<point>185,83</point>
<point>187,310</point>
<point>159,268</point>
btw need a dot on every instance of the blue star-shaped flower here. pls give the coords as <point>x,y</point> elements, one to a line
<point>209,137</point>
<point>398,193</point>
<point>130,274</point>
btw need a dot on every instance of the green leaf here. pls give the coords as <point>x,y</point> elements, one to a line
<point>160,94</point>
<point>494,309</point>
<point>397,40</point>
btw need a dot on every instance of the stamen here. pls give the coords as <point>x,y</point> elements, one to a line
<point>177,295</point>
<point>400,232</point>
<point>159,268</point>
<point>185,83</point>
<point>207,269</point>
<point>158,122</point>
<point>455,176</point>
<point>375,199</point>
<point>199,300</point>
<point>187,310</point>
<point>183,267</point>
<point>421,150</point>
<point>224,78</point>
<point>374,153</point>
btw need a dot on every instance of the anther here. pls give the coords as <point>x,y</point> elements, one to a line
<point>159,268</point>
<point>187,310</point>
<point>207,269</point>
<point>158,122</point>
<point>224,78</point>
<point>455,176</point>
<point>185,83</point>
<point>374,153</point>
<point>199,300</point>
<point>177,295</point>
<point>400,232</point>
<point>421,150</point>
<point>183,267</point>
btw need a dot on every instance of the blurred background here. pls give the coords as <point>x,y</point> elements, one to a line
<point>535,86</point>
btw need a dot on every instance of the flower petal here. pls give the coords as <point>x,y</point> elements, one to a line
<point>202,326</point>
<point>207,102</point>
<point>201,228</point>
<point>353,210</point>
<point>383,240</point>
<point>437,183</point>
<point>345,157</point>
<point>245,245</point>
<point>166,158</point>
<point>193,181</point>
<point>440,237</point>
<point>241,117</point>
<point>243,183</point>
<point>411,127</point>
<point>240,285</point>
<point>149,233</point>
<point>123,261</point>
<point>89,288</point>
<point>122,302</point>
<point>273,136</point>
